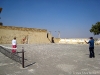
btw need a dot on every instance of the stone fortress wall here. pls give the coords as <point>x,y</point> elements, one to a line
<point>34,36</point>
<point>23,35</point>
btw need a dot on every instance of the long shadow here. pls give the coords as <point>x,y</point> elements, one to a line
<point>26,60</point>
<point>8,53</point>
<point>98,54</point>
<point>30,64</point>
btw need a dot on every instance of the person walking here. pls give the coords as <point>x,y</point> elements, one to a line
<point>91,47</point>
<point>14,45</point>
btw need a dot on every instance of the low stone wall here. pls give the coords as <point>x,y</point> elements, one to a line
<point>56,40</point>
<point>98,42</point>
<point>78,41</point>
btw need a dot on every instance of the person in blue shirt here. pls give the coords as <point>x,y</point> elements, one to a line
<point>91,47</point>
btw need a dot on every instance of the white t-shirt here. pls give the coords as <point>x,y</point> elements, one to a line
<point>14,42</point>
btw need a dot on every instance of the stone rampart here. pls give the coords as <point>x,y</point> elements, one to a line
<point>33,35</point>
<point>23,35</point>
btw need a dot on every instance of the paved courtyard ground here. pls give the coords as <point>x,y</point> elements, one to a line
<point>53,59</point>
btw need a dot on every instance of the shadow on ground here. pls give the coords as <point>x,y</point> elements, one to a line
<point>30,64</point>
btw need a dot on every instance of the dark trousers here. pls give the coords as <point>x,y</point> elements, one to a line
<point>92,54</point>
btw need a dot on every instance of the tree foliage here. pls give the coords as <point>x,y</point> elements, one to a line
<point>95,29</point>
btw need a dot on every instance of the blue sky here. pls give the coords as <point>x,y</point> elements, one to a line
<point>73,18</point>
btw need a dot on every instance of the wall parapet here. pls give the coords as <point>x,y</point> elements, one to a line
<point>22,28</point>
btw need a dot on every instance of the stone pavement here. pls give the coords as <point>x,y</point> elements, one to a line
<point>53,59</point>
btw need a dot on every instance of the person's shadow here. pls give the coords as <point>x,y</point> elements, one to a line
<point>53,40</point>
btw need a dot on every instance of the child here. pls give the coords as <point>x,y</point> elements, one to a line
<point>14,45</point>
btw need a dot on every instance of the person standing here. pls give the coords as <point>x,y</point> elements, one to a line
<point>91,47</point>
<point>14,45</point>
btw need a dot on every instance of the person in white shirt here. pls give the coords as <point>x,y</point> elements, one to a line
<point>14,45</point>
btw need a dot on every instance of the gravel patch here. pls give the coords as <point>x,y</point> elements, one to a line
<point>53,59</point>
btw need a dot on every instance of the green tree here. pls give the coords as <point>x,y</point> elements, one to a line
<point>95,29</point>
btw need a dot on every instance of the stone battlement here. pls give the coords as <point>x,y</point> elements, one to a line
<point>22,28</point>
